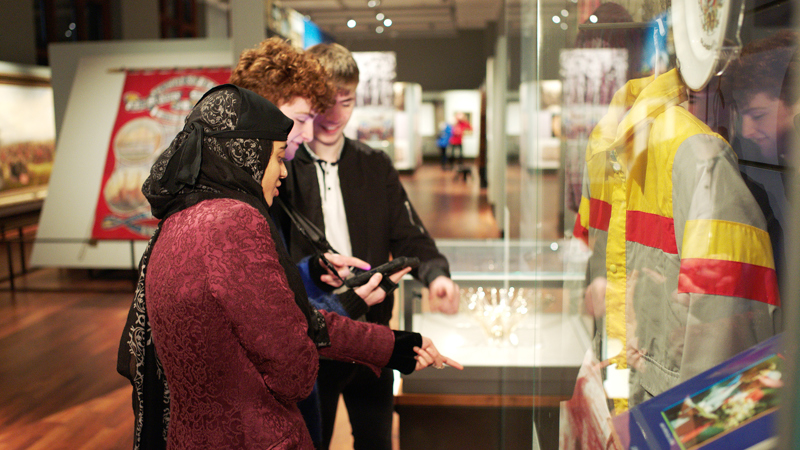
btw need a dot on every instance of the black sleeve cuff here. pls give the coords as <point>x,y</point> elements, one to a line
<point>315,270</point>
<point>434,273</point>
<point>403,353</point>
<point>353,305</point>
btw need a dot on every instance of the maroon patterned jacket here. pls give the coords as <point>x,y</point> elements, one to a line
<point>230,337</point>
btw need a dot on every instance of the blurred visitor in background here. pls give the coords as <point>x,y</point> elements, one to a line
<point>460,127</point>
<point>443,141</point>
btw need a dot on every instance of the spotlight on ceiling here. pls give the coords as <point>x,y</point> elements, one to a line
<point>351,23</point>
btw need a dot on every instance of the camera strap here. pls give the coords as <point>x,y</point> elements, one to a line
<point>313,234</point>
<point>388,285</point>
<point>317,239</point>
<point>307,228</point>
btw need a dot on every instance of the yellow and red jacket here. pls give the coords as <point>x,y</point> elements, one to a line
<point>682,245</point>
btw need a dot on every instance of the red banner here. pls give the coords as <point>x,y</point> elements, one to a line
<point>151,112</point>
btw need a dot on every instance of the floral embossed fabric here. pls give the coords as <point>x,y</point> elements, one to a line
<point>232,341</point>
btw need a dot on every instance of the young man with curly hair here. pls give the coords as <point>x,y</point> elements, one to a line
<point>295,82</point>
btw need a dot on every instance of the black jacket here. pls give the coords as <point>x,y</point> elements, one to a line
<point>380,217</point>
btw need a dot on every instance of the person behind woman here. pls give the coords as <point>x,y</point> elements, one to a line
<point>289,78</point>
<point>299,86</point>
<point>221,340</point>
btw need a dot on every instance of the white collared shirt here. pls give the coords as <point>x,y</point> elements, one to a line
<point>330,193</point>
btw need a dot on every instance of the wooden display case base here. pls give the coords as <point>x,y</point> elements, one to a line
<point>477,422</point>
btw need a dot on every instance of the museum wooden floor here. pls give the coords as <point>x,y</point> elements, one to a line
<point>59,333</point>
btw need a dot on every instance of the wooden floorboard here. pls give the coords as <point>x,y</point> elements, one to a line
<point>449,206</point>
<point>59,333</point>
<point>58,385</point>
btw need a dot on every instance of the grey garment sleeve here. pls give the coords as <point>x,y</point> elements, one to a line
<point>707,186</point>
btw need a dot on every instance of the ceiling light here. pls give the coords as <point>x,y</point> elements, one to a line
<point>373,3</point>
<point>564,26</point>
<point>556,19</point>
<point>565,13</point>
<point>379,16</point>
<point>593,18</point>
<point>351,23</point>
<point>387,22</point>
<point>379,29</point>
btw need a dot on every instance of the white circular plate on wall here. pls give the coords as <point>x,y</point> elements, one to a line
<point>706,36</point>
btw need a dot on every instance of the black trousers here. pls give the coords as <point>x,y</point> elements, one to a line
<point>443,153</point>
<point>369,401</point>
<point>456,148</point>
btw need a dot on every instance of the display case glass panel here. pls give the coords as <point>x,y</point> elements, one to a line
<point>642,285</point>
<point>676,122</point>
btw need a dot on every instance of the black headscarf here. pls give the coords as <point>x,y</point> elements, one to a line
<point>222,152</point>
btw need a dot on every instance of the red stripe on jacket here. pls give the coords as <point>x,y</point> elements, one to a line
<point>729,278</point>
<point>599,218</point>
<point>599,214</point>
<point>651,230</point>
<point>579,231</point>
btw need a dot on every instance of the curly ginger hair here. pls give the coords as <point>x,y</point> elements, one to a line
<point>280,72</point>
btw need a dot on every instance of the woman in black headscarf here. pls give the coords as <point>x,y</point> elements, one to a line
<point>220,340</point>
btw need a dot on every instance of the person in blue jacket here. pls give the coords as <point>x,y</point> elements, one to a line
<point>443,141</point>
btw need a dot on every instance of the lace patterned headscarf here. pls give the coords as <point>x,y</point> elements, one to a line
<point>222,152</point>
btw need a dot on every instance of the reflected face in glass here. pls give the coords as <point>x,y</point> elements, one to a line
<point>299,110</point>
<point>765,121</point>
<point>275,171</point>
<point>329,127</point>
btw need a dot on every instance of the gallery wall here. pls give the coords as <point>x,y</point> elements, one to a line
<point>439,63</point>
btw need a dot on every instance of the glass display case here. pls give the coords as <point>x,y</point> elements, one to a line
<point>515,295</point>
<point>646,285</point>
<point>506,305</point>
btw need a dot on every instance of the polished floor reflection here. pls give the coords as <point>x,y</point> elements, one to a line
<point>58,344</point>
<point>451,205</point>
